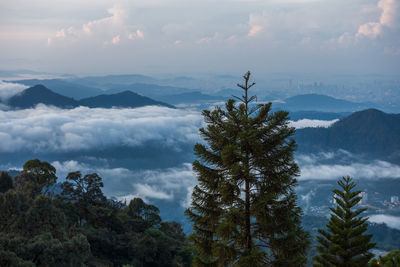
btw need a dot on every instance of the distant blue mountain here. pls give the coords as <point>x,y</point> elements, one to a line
<point>150,90</point>
<point>126,99</point>
<point>103,81</point>
<point>190,97</point>
<point>316,102</point>
<point>65,88</point>
<point>39,94</point>
<point>370,132</point>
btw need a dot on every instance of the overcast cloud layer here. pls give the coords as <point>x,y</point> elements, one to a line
<point>156,36</point>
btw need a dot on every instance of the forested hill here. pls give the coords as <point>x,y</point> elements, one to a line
<point>123,99</point>
<point>39,94</point>
<point>318,102</point>
<point>64,87</point>
<point>369,131</point>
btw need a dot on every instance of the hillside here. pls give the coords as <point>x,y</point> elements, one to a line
<point>369,131</point>
<point>126,99</point>
<point>39,94</point>
<point>318,102</point>
<point>145,89</point>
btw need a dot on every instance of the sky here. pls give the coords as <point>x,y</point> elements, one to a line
<point>182,36</point>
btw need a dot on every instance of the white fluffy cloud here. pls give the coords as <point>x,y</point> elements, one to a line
<point>8,90</point>
<point>389,19</point>
<point>307,123</point>
<point>390,221</point>
<point>113,27</point>
<point>171,184</point>
<point>312,168</point>
<point>167,184</point>
<point>257,24</point>
<point>51,129</point>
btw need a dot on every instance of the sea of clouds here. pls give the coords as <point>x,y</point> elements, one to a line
<point>52,129</point>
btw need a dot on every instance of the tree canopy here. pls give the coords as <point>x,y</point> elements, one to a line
<point>244,209</point>
<point>81,227</point>
<point>344,242</point>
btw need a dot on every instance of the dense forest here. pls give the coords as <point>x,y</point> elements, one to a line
<point>80,226</point>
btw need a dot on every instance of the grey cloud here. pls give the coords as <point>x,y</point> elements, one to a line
<point>171,184</point>
<point>390,221</point>
<point>307,123</point>
<point>316,167</point>
<point>56,130</point>
<point>8,90</point>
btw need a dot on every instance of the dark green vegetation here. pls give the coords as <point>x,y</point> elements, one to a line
<point>345,242</point>
<point>39,94</point>
<point>244,209</point>
<point>392,259</point>
<point>386,238</point>
<point>81,227</point>
<point>370,132</point>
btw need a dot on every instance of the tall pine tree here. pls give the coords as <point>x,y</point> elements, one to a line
<point>244,209</point>
<point>345,244</point>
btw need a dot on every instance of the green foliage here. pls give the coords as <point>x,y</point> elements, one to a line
<point>345,244</point>
<point>36,178</point>
<point>244,209</point>
<point>392,259</point>
<point>85,192</point>
<point>6,182</point>
<point>82,227</point>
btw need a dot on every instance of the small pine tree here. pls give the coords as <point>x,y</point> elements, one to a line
<point>345,244</point>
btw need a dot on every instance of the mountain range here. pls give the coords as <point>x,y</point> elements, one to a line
<point>39,94</point>
<point>317,102</point>
<point>65,88</point>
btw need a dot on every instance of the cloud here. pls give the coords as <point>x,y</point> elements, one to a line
<point>257,24</point>
<point>117,18</point>
<point>57,130</point>
<point>116,40</point>
<point>113,27</point>
<point>389,18</point>
<point>320,167</point>
<point>172,184</point>
<point>208,39</point>
<point>390,221</point>
<point>168,184</point>
<point>146,191</point>
<point>137,35</point>
<point>307,123</point>
<point>7,90</point>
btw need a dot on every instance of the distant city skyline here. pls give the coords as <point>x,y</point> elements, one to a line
<point>174,36</point>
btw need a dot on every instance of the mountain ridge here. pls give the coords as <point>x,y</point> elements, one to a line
<point>39,94</point>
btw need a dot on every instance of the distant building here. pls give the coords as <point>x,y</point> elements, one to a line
<point>394,199</point>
